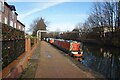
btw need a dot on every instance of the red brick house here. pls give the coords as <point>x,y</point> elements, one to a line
<point>13,36</point>
<point>20,26</point>
<point>13,16</point>
<point>5,14</point>
<point>8,16</point>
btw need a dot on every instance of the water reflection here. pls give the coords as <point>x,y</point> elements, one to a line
<point>103,60</point>
<point>105,53</point>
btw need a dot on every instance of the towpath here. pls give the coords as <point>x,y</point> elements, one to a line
<point>53,64</point>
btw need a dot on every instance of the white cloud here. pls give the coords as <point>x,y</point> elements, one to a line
<point>42,7</point>
<point>61,16</point>
<point>78,17</point>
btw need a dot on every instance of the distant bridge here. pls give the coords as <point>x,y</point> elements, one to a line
<point>45,31</point>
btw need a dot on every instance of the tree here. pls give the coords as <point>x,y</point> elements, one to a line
<point>33,25</point>
<point>38,24</point>
<point>105,15</point>
<point>118,21</point>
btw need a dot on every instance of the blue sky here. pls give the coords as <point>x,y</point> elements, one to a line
<point>61,16</point>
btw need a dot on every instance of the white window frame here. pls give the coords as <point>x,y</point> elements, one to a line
<point>19,27</point>
<point>15,25</point>
<point>1,18</point>
<point>13,14</point>
<point>5,21</point>
<point>11,23</point>
<point>23,28</point>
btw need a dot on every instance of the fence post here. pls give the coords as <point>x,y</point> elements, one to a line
<point>28,44</point>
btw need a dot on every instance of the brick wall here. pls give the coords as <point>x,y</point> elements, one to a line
<point>20,26</point>
<point>5,15</point>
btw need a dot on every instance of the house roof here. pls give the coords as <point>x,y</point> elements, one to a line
<point>16,13</point>
<point>20,23</point>
<point>42,20</point>
<point>12,7</point>
<point>6,4</point>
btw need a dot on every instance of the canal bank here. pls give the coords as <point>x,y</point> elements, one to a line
<point>105,43</point>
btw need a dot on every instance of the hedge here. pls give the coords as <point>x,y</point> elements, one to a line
<point>10,33</point>
<point>13,44</point>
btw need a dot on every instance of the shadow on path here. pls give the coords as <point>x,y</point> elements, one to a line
<point>33,63</point>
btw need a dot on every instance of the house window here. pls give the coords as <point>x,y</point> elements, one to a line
<point>11,23</point>
<point>5,20</point>
<point>0,18</point>
<point>13,14</point>
<point>19,27</point>
<point>15,25</point>
<point>2,6</point>
<point>23,29</point>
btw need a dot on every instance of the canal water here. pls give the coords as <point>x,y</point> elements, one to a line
<point>105,60</point>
